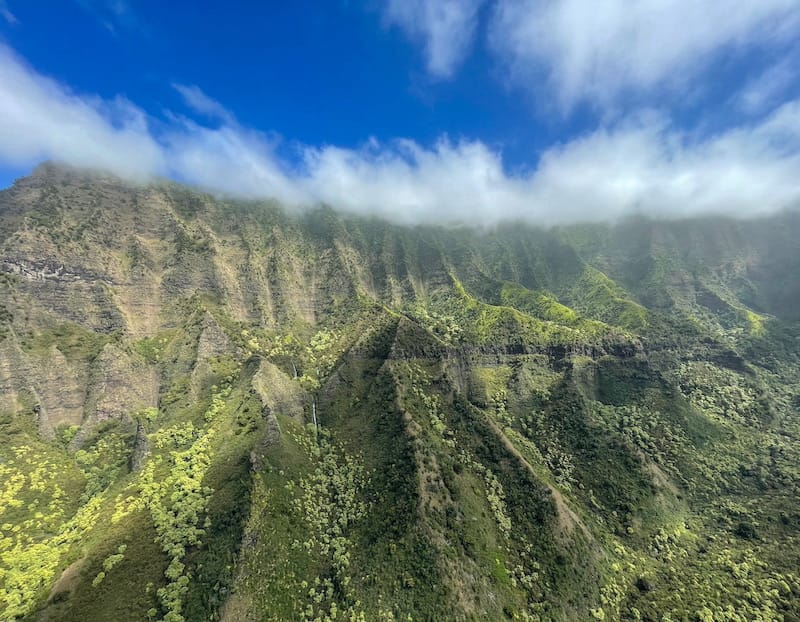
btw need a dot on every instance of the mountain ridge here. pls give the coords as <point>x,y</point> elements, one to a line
<point>302,416</point>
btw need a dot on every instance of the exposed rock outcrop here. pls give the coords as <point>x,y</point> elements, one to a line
<point>49,385</point>
<point>120,384</point>
<point>279,394</point>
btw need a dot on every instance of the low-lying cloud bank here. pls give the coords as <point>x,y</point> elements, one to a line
<point>642,166</point>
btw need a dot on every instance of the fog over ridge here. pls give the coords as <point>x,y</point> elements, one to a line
<point>642,164</point>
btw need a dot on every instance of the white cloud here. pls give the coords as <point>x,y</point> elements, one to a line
<point>643,166</point>
<point>230,159</point>
<point>648,168</point>
<point>41,119</point>
<point>446,28</point>
<point>596,52</point>
<point>462,182</point>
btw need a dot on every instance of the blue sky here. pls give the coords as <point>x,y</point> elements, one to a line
<point>438,110</point>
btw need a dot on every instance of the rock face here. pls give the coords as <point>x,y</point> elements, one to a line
<point>62,393</point>
<point>279,393</point>
<point>47,384</point>
<point>141,447</point>
<point>121,383</point>
<point>212,344</point>
<point>16,375</point>
<point>72,294</point>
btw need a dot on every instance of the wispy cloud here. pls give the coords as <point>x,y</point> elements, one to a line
<point>445,28</point>
<point>6,13</point>
<point>644,165</point>
<point>233,160</point>
<point>201,103</point>
<point>615,48</point>
<point>114,15</point>
<point>770,87</point>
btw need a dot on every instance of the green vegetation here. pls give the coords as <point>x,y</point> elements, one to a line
<point>599,297</point>
<point>72,340</point>
<point>177,503</point>
<point>322,417</point>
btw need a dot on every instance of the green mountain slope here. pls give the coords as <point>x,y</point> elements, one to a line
<point>218,410</point>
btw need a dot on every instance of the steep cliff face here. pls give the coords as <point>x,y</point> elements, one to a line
<point>120,383</point>
<point>216,409</point>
